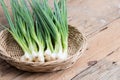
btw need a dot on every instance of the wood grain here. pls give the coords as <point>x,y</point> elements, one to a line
<point>107,68</point>
<point>100,22</point>
<point>90,16</point>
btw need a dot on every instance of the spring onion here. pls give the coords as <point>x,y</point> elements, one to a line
<point>41,32</point>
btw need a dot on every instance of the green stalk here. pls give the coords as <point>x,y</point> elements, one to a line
<point>41,30</point>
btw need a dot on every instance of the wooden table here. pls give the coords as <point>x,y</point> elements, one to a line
<point>100,22</point>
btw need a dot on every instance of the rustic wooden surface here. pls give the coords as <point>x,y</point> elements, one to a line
<point>99,20</point>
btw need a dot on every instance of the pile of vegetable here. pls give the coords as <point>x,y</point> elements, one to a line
<point>41,32</point>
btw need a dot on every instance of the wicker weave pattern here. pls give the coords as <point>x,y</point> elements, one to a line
<point>11,52</point>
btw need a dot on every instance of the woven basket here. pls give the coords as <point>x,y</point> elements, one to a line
<point>11,52</point>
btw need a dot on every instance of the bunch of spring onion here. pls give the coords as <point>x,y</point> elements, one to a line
<point>41,32</point>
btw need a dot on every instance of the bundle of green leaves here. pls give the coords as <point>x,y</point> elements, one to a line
<point>41,32</point>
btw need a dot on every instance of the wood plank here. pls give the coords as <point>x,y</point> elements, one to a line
<point>107,68</point>
<point>103,70</point>
<point>90,16</point>
<point>85,15</point>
